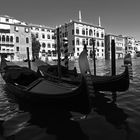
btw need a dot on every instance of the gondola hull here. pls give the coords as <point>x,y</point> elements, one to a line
<point>29,89</point>
<point>101,83</point>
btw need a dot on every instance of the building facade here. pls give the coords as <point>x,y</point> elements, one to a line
<point>15,38</point>
<point>79,33</point>
<point>45,35</point>
<point>130,46</point>
<point>119,46</point>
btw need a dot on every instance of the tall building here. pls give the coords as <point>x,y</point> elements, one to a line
<point>119,46</point>
<point>15,37</point>
<point>78,33</point>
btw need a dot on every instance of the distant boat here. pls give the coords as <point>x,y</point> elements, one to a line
<point>29,88</point>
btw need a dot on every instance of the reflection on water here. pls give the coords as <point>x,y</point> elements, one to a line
<point>108,119</point>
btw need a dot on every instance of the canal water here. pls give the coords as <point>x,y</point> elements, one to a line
<point>119,120</point>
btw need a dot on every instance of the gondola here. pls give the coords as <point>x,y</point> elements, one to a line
<point>29,88</point>
<point>118,82</point>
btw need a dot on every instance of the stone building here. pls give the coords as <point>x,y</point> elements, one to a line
<point>78,33</point>
<point>45,35</point>
<point>15,37</point>
<point>119,46</point>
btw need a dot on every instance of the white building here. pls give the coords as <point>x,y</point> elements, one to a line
<point>79,33</point>
<point>119,46</point>
<point>45,35</point>
<point>131,46</point>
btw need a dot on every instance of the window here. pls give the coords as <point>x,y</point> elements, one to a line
<point>86,31</point>
<point>26,30</point>
<point>16,29</point>
<point>27,40</point>
<point>90,42</point>
<point>49,45</point>
<point>102,35</point>
<point>77,41</point>
<point>43,45</point>
<point>17,49</point>
<point>97,34</point>
<point>102,44</point>
<point>90,32</point>
<point>7,38</point>
<point>53,45</point>
<point>43,36</point>
<point>83,31</point>
<point>77,49</point>
<point>17,39</point>
<point>77,31</point>
<point>98,44</point>
<point>83,42</point>
<point>7,19</point>
<point>3,38</point>
<point>0,38</point>
<point>48,36</point>
<point>11,38</point>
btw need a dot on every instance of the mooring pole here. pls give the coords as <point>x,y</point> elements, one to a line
<point>113,57</point>
<point>113,65</point>
<point>28,58</point>
<point>94,58</point>
<point>59,54</point>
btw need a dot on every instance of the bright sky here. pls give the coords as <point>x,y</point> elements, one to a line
<point>117,16</point>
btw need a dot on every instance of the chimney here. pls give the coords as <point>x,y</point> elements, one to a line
<point>80,17</point>
<point>99,22</point>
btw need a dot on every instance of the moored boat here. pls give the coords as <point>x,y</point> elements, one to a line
<point>29,88</point>
<point>118,82</point>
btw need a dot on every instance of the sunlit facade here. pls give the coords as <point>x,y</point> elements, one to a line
<point>15,37</point>
<point>79,33</point>
<point>45,35</point>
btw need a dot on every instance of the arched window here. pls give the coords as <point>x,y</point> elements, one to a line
<point>77,30</point>
<point>102,44</point>
<point>83,31</point>
<point>7,38</point>
<point>11,38</point>
<point>90,42</point>
<point>102,35</point>
<point>17,39</point>
<point>43,36</point>
<point>97,34</point>
<point>3,38</point>
<point>43,45</point>
<point>77,41</point>
<point>83,41</point>
<point>90,32</point>
<point>48,36</point>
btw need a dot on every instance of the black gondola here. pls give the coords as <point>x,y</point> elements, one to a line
<point>29,88</point>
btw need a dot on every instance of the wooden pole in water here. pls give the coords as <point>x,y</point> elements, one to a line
<point>94,58</point>
<point>58,52</point>
<point>113,57</point>
<point>113,66</point>
<point>28,58</point>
